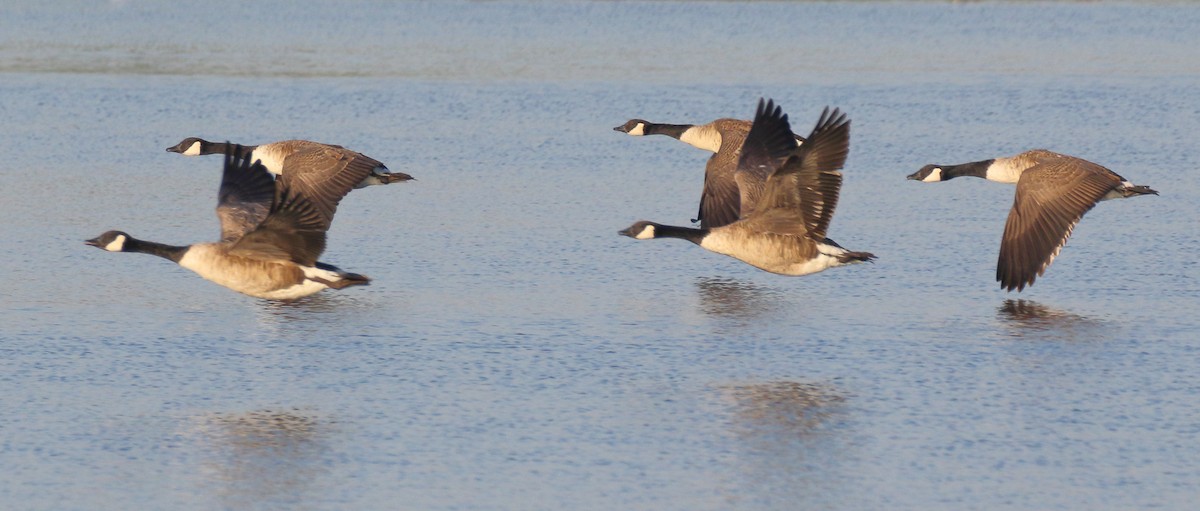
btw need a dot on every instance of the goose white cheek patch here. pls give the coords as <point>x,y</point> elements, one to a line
<point>115,245</point>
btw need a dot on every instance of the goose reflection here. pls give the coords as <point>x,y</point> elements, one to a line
<point>261,455</point>
<point>292,309</point>
<point>295,317</point>
<point>735,299</point>
<point>779,410</point>
<point>787,441</point>
<point>1030,317</point>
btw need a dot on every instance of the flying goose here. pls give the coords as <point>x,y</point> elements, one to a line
<point>721,202</point>
<point>271,232</point>
<point>1053,192</point>
<point>298,156</point>
<point>785,233</point>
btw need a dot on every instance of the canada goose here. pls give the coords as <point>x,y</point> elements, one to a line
<point>271,232</point>
<point>723,199</point>
<point>298,156</point>
<point>785,233</point>
<point>1053,192</point>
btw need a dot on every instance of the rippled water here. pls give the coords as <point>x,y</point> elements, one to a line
<point>512,351</point>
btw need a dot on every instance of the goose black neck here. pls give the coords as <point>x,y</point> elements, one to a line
<point>157,249</point>
<point>221,147</point>
<point>683,233</point>
<point>671,130</point>
<point>973,169</point>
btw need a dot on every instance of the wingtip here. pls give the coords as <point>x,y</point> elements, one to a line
<point>767,109</point>
<point>1009,285</point>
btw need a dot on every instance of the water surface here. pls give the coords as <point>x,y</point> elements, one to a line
<point>512,351</point>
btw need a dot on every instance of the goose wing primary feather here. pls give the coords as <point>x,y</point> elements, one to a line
<point>766,147</point>
<point>293,229</point>
<point>245,196</point>
<point>808,182</point>
<point>1052,196</point>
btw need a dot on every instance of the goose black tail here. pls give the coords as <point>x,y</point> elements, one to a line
<point>393,177</point>
<point>1138,190</point>
<point>351,279</point>
<point>855,257</point>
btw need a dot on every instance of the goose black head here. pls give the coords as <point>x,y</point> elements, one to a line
<point>635,127</point>
<point>190,146</point>
<point>928,174</point>
<point>640,230</point>
<point>112,241</point>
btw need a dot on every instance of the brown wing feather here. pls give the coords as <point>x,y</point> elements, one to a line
<point>809,181</point>
<point>1051,198</point>
<point>324,174</point>
<point>781,221</point>
<point>721,202</point>
<point>293,231</point>
<point>769,142</point>
<point>730,193</point>
<point>245,196</point>
<point>819,193</point>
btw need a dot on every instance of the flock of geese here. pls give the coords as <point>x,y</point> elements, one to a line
<point>769,195</point>
<point>768,199</point>
<point>272,229</point>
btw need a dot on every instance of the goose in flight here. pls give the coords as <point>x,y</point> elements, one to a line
<point>272,231</point>
<point>785,232</point>
<point>298,157</point>
<point>1053,192</point>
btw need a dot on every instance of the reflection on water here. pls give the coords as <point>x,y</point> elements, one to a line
<point>1027,318</point>
<point>320,303</point>
<point>784,408</point>
<point>262,454</point>
<point>733,298</point>
<point>504,361</point>
<point>787,447</point>
<point>309,314</point>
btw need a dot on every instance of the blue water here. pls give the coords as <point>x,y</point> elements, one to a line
<point>514,352</point>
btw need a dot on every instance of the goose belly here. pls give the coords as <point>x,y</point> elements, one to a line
<point>781,254</point>
<point>260,279</point>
